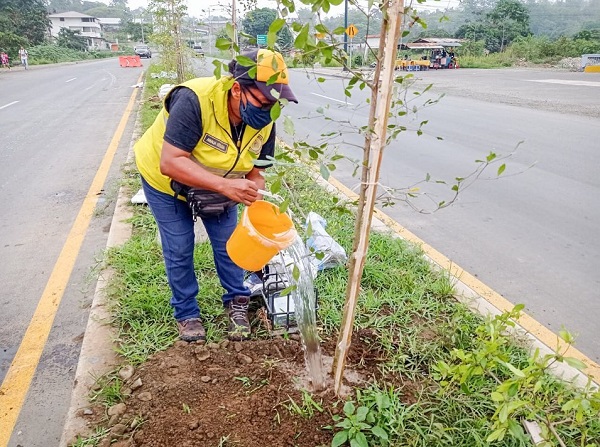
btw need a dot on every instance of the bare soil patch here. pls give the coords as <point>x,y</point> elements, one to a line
<point>233,394</point>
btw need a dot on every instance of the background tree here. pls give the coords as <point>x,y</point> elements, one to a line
<point>108,11</point>
<point>167,18</point>
<point>134,30</point>
<point>71,39</point>
<point>508,20</point>
<point>55,6</point>
<point>24,19</point>
<point>258,22</point>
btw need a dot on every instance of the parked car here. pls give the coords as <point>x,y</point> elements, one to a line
<point>142,51</point>
<point>198,50</point>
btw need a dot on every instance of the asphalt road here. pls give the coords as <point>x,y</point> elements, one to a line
<point>56,124</point>
<point>531,236</point>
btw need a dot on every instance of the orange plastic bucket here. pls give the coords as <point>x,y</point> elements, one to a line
<point>260,234</point>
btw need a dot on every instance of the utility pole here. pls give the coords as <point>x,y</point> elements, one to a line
<point>346,35</point>
<point>345,27</point>
<point>209,32</point>
<point>234,20</point>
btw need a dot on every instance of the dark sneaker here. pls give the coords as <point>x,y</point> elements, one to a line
<point>237,312</point>
<point>191,330</point>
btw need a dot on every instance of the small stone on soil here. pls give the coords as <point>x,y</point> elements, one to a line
<point>238,346</point>
<point>205,379</point>
<point>117,409</point>
<point>202,354</point>
<point>244,358</point>
<point>88,411</point>
<point>126,372</point>
<point>145,396</point>
<point>137,383</point>
<point>194,425</point>
<point>117,430</point>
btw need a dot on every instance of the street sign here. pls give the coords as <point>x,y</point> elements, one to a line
<point>351,31</point>
<point>261,39</point>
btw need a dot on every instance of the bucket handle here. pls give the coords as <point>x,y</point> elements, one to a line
<point>271,195</point>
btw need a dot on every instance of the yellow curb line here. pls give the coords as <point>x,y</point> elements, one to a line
<point>540,332</point>
<point>20,374</point>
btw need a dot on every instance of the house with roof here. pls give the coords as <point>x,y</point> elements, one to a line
<point>89,28</point>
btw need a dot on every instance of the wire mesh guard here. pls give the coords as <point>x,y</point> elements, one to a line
<point>273,299</point>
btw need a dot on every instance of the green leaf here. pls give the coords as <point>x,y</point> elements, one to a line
<point>276,25</point>
<point>501,169</point>
<point>503,414</point>
<point>288,126</point>
<point>379,432</point>
<point>349,408</point>
<point>340,438</point>
<point>302,37</point>
<point>497,397</point>
<point>245,61</point>
<point>275,111</point>
<point>296,273</point>
<point>566,336</point>
<point>575,363</point>
<point>284,205</point>
<point>324,171</point>
<point>517,372</point>
<point>223,44</point>
<point>361,440</point>
<point>361,413</point>
<point>497,435</point>
<point>490,157</point>
<point>230,31</point>
<point>573,403</point>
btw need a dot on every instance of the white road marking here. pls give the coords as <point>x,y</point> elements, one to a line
<point>565,82</point>
<point>9,104</point>
<point>69,80</point>
<point>333,99</point>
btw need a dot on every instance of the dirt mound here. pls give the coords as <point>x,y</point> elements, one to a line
<point>250,394</point>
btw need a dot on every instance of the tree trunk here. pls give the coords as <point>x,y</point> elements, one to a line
<point>374,145</point>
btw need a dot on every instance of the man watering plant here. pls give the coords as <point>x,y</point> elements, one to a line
<point>197,159</point>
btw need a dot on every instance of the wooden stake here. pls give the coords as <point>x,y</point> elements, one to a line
<point>393,11</point>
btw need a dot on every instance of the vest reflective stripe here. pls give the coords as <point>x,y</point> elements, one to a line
<point>216,151</point>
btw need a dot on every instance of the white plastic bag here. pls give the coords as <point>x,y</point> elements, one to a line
<point>163,90</point>
<point>321,242</point>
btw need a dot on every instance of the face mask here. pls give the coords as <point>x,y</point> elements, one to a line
<point>253,116</point>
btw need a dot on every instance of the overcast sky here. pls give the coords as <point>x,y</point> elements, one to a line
<point>195,7</point>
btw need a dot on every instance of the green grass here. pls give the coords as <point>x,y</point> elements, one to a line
<point>493,60</point>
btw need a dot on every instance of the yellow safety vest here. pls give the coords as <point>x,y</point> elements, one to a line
<point>216,151</point>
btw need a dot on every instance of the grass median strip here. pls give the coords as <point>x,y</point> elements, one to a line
<point>444,376</point>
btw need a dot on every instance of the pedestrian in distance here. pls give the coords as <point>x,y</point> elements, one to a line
<point>201,149</point>
<point>4,60</point>
<point>24,55</point>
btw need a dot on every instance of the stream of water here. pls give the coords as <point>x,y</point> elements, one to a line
<point>305,307</point>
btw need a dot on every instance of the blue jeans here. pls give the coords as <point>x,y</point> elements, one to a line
<point>176,228</point>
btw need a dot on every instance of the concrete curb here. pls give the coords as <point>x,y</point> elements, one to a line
<point>98,356</point>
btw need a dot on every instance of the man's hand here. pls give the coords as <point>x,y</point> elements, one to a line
<point>241,190</point>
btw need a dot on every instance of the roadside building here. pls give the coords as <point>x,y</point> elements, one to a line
<point>89,28</point>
